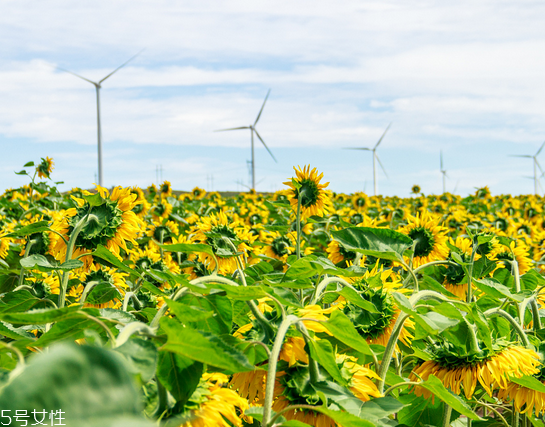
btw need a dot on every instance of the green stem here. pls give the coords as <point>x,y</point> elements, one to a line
<point>470,273</point>
<point>323,284</point>
<point>474,342</point>
<point>273,362</point>
<point>87,290</point>
<point>535,314</point>
<point>447,412</point>
<point>102,325</point>
<point>298,225</point>
<point>22,273</point>
<point>131,329</point>
<point>69,252</point>
<point>389,350</point>
<point>392,388</point>
<point>411,272</point>
<point>312,364</point>
<point>513,322</point>
<point>178,294</point>
<point>127,299</point>
<point>162,399</point>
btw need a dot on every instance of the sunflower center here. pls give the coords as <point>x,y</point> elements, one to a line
<point>255,219</point>
<point>100,226</point>
<point>356,219</point>
<point>360,202</point>
<point>309,193</point>
<point>143,263</point>
<point>424,241</point>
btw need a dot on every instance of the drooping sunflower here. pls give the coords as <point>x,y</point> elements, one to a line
<point>213,405</point>
<point>315,200</point>
<point>45,167</point>
<point>430,238</point>
<point>490,369</point>
<point>523,398</point>
<point>110,222</point>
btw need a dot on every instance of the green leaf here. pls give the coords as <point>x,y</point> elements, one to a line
<point>322,352</point>
<point>354,297</point>
<point>41,263</point>
<point>9,331</point>
<point>342,329</point>
<point>434,385</point>
<point>529,382</point>
<point>103,253</point>
<point>89,384</point>
<point>222,308</point>
<point>344,418</point>
<point>28,164</point>
<point>19,301</point>
<point>40,316</point>
<point>102,293</point>
<point>36,227</point>
<point>244,293</point>
<point>203,347</point>
<point>141,357</point>
<point>67,329</point>
<point>180,375</point>
<point>187,313</point>
<point>94,199</point>
<point>495,289</point>
<point>378,242</point>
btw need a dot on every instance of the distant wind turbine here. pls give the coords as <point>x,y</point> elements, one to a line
<point>97,86</point>
<point>536,166</point>
<point>252,131</point>
<point>375,158</point>
<point>444,172</point>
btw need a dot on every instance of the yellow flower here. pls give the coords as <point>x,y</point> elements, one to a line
<point>165,190</point>
<point>45,167</point>
<point>430,238</point>
<point>361,378</point>
<point>524,399</point>
<point>315,201</point>
<point>491,373</point>
<point>198,193</point>
<point>220,404</point>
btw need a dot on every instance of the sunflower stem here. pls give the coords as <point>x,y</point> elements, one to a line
<point>513,322</point>
<point>535,314</point>
<point>273,362</point>
<point>389,350</point>
<point>69,251</point>
<point>162,401</point>
<point>470,272</point>
<point>22,272</point>
<point>447,412</point>
<point>298,225</point>
<point>411,272</point>
<point>312,364</point>
<point>323,284</point>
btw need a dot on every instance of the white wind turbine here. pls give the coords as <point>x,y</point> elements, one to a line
<point>444,172</point>
<point>97,86</point>
<point>375,158</point>
<point>536,166</point>
<point>252,131</point>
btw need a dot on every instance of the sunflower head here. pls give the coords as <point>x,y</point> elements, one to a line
<point>315,200</point>
<point>415,189</point>
<point>45,167</point>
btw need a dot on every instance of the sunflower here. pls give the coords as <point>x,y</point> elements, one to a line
<point>250,385</point>
<point>111,223</point>
<point>361,378</point>
<point>429,236</point>
<point>315,201</point>
<point>215,405</point>
<point>165,189</point>
<point>45,167</point>
<point>163,232</point>
<point>213,231</point>
<point>161,210</point>
<point>517,251</point>
<point>198,193</point>
<point>360,201</point>
<point>490,369</point>
<point>104,275</point>
<point>524,399</point>
<point>142,206</point>
<point>4,246</point>
<point>278,246</point>
<point>415,189</point>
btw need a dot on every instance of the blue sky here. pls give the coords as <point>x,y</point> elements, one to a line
<point>463,77</point>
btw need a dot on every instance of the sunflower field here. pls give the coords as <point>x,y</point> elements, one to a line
<point>139,307</point>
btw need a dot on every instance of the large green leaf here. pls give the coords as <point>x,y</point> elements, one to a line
<point>221,307</point>
<point>68,329</point>
<point>342,329</point>
<point>36,227</point>
<point>322,352</point>
<point>529,382</point>
<point>179,375</point>
<point>141,357</point>
<point>89,384</point>
<point>188,247</point>
<point>378,242</point>
<point>434,385</point>
<point>203,347</point>
<point>42,315</point>
<point>41,263</point>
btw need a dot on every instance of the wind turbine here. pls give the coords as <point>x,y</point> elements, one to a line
<point>252,131</point>
<point>97,86</point>
<point>375,158</point>
<point>536,166</point>
<point>444,172</point>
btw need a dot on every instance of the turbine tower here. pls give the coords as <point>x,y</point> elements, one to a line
<point>375,158</point>
<point>252,131</point>
<point>97,86</point>
<point>444,172</point>
<point>536,166</point>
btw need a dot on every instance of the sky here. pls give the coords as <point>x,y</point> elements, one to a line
<point>463,78</point>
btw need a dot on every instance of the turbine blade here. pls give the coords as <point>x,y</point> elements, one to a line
<point>261,139</point>
<point>538,165</point>
<point>540,148</point>
<point>380,163</point>
<point>521,155</point>
<point>77,75</point>
<point>382,137</point>
<point>357,148</point>
<point>121,66</point>
<point>223,130</point>
<point>441,160</point>
<point>263,106</point>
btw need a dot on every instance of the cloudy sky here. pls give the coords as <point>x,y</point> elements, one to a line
<point>463,77</point>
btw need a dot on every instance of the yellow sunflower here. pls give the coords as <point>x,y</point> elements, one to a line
<point>45,167</point>
<point>278,246</point>
<point>518,251</point>
<point>491,372</point>
<point>110,222</point>
<point>218,405</point>
<point>165,190</point>
<point>198,193</point>
<point>430,238</point>
<point>315,200</point>
<point>524,399</point>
